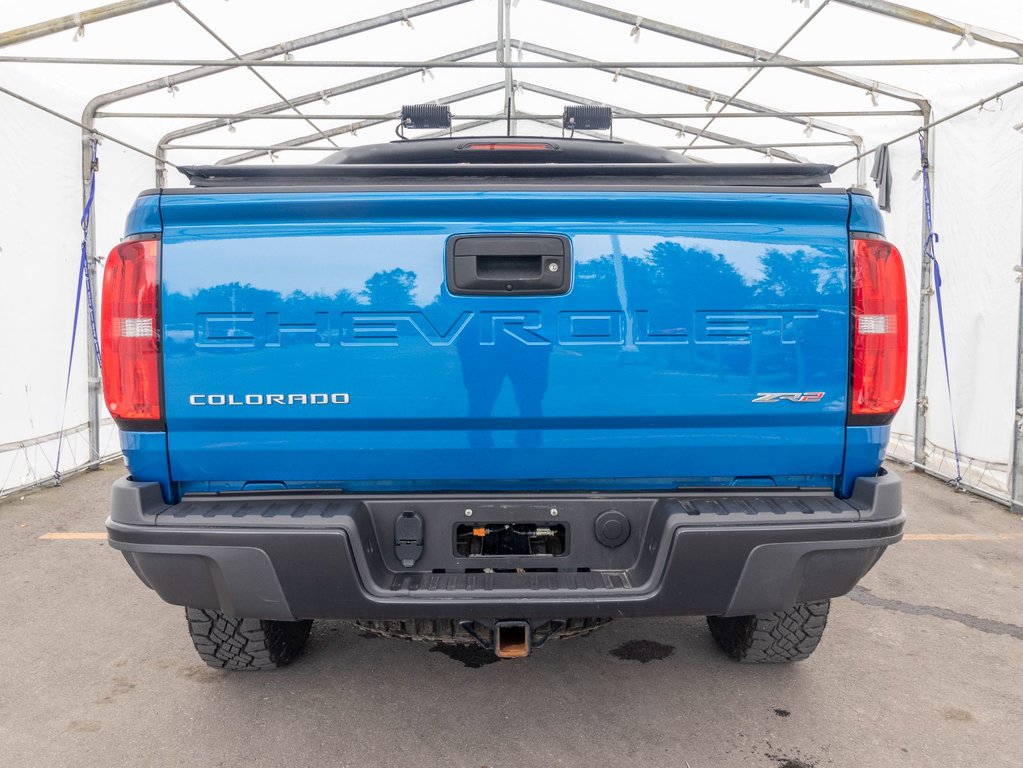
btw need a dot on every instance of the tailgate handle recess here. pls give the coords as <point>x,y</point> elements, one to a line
<point>496,265</point>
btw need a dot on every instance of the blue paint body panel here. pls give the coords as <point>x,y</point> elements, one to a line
<point>146,454</point>
<point>310,340</point>
<point>144,217</point>
<point>864,215</point>
<point>864,452</point>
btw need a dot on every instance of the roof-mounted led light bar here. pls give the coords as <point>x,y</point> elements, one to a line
<point>426,116</point>
<point>586,117</point>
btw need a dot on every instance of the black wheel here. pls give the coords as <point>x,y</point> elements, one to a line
<point>772,638</point>
<point>447,631</point>
<point>224,642</point>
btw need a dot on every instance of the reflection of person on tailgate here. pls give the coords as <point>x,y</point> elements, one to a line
<point>507,348</point>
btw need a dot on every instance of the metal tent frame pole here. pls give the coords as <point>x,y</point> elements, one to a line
<point>690,90</point>
<point>685,88</point>
<point>677,127</point>
<point>757,72</point>
<point>757,56</point>
<point>923,354</point>
<point>354,127</point>
<point>504,56</point>
<point>925,19</point>
<point>809,66</point>
<point>268,110</point>
<point>1016,468</point>
<point>300,141</point>
<point>76,20</point>
<point>255,72</point>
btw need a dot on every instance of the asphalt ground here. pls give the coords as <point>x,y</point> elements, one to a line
<point>920,666</point>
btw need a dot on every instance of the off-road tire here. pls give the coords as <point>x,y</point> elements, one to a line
<point>449,631</point>
<point>224,642</point>
<point>772,638</point>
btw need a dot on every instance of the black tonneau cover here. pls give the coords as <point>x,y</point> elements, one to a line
<point>725,175</point>
<point>503,149</point>
<point>509,160</point>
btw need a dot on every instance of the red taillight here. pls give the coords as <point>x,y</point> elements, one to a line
<point>130,343</point>
<point>879,331</point>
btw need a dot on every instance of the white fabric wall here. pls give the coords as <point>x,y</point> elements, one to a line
<point>40,238</point>
<point>978,194</point>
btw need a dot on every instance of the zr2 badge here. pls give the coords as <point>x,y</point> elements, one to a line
<point>792,397</point>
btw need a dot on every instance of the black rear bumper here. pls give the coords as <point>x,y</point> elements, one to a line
<point>287,556</point>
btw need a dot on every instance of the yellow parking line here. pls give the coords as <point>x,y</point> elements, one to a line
<point>72,535</point>
<point>961,536</point>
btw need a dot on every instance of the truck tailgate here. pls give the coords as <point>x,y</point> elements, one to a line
<point>311,340</point>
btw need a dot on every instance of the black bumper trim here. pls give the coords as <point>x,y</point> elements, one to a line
<point>692,554</point>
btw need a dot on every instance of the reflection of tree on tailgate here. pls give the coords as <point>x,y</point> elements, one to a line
<point>797,278</point>
<point>679,281</point>
<point>390,291</point>
<point>705,273</point>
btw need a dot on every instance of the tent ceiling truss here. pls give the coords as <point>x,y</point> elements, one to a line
<point>749,57</point>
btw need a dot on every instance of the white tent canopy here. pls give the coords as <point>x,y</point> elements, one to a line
<point>737,80</point>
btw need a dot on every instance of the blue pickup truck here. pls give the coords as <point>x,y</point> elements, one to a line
<point>503,389</point>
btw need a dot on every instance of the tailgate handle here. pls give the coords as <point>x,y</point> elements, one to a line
<point>496,265</point>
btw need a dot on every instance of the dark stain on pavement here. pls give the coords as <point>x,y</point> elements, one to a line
<point>82,726</point>
<point>789,761</point>
<point>120,686</point>
<point>782,712</point>
<point>864,596</point>
<point>642,651</point>
<point>958,715</point>
<point>472,656</point>
<point>203,674</point>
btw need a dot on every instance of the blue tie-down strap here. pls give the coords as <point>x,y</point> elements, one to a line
<point>929,243</point>
<point>83,278</point>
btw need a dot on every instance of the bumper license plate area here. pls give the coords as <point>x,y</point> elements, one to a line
<point>510,539</point>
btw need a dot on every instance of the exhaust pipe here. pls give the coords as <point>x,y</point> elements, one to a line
<point>512,639</point>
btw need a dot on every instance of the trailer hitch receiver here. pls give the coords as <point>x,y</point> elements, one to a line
<point>512,639</point>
